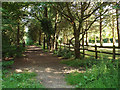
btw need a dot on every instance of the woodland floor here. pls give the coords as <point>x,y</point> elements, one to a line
<point>50,72</point>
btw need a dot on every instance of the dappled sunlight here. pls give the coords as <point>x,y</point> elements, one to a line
<point>60,57</point>
<point>42,54</point>
<point>29,51</point>
<point>54,77</point>
<point>32,46</point>
<point>49,69</point>
<point>72,70</point>
<point>50,81</point>
<point>18,71</point>
<point>26,59</point>
<point>39,71</point>
<point>57,72</point>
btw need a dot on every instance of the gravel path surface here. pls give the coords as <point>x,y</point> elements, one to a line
<point>50,72</point>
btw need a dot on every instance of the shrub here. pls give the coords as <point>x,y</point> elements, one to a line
<point>7,63</point>
<point>65,53</point>
<point>12,51</point>
<point>102,75</point>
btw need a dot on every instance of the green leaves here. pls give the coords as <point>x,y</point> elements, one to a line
<point>46,25</point>
<point>65,53</point>
<point>102,75</point>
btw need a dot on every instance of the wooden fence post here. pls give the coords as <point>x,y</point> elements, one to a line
<point>113,51</point>
<point>96,52</point>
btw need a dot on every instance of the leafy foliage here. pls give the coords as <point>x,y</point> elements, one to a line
<point>12,14</point>
<point>46,25</point>
<point>65,53</point>
<point>102,75</point>
<point>12,51</point>
<point>33,32</point>
<point>7,63</point>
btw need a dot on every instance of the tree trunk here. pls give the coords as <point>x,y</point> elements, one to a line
<point>40,37</point>
<point>55,30</point>
<point>118,31</point>
<point>77,47</point>
<point>83,43</point>
<point>86,39</point>
<point>100,30</point>
<point>56,43</point>
<point>45,14</point>
<point>113,31</point>
<point>54,35</point>
<point>77,44</point>
<point>18,36</point>
<point>48,42</point>
<point>44,42</point>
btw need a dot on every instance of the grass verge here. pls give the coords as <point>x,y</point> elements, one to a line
<point>102,74</point>
<point>18,80</point>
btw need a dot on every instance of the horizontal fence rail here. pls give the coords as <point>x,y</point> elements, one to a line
<point>96,51</point>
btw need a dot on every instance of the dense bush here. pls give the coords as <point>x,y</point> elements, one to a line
<point>7,63</point>
<point>12,51</point>
<point>65,53</point>
<point>102,75</point>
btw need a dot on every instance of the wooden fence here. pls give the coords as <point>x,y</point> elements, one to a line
<point>96,51</point>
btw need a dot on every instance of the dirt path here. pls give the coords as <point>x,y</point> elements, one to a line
<point>48,68</point>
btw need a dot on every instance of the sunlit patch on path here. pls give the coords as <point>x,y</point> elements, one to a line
<point>49,70</point>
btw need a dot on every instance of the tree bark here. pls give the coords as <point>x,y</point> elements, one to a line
<point>113,31</point>
<point>100,30</point>
<point>40,37</point>
<point>86,34</point>
<point>118,31</point>
<point>18,36</point>
<point>77,45</point>
<point>56,44</point>
<point>44,42</point>
<point>54,35</point>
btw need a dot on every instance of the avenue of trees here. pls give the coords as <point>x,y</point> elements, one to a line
<point>51,23</point>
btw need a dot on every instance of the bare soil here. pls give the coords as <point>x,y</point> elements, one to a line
<point>50,72</point>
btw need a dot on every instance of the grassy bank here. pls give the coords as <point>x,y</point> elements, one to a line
<point>99,74</point>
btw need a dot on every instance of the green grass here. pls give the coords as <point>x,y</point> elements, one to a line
<point>86,62</point>
<point>18,80</point>
<point>101,75</point>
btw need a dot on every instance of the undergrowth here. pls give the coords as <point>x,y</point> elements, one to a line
<point>18,80</point>
<point>65,53</point>
<point>101,75</point>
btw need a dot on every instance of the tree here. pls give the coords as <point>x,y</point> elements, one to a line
<point>76,14</point>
